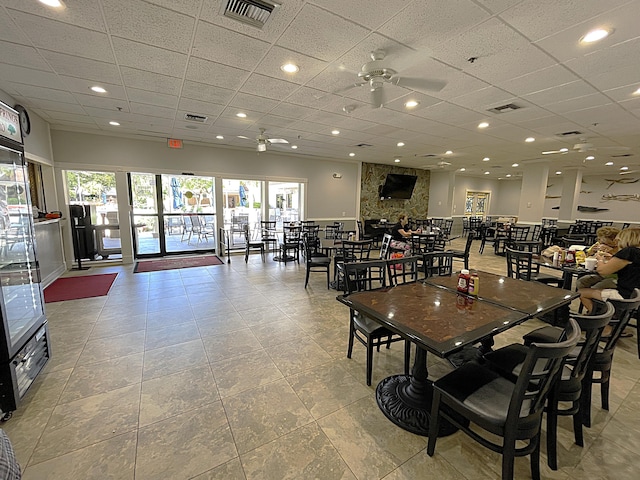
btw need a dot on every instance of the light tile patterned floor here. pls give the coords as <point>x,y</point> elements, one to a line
<point>237,372</point>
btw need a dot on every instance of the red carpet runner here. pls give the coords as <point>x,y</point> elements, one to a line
<point>175,263</point>
<point>74,288</point>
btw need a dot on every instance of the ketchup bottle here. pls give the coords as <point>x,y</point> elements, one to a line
<point>463,281</point>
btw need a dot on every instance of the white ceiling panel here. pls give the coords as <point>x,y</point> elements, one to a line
<point>217,74</point>
<point>150,81</point>
<point>147,57</point>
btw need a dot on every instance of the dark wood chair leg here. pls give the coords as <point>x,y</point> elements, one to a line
<point>369,360</point>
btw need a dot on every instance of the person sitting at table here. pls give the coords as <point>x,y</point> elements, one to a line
<point>400,233</point>
<point>626,263</point>
<point>605,247</point>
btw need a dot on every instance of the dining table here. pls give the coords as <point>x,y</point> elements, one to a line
<point>569,270</point>
<point>438,319</point>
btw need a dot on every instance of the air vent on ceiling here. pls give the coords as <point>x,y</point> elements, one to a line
<point>190,117</point>
<point>509,107</point>
<point>363,145</point>
<point>252,12</point>
<point>568,134</point>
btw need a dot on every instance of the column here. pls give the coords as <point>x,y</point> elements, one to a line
<point>535,176</point>
<point>441,188</point>
<point>571,185</point>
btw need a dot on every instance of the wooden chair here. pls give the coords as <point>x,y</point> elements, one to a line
<point>512,410</point>
<point>314,260</point>
<point>268,234</point>
<point>403,270</point>
<point>362,276</point>
<point>520,266</point>
<point>463,254</point>
<point>252,245</point>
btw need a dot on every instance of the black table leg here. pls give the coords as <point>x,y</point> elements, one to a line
<point>406,399</point>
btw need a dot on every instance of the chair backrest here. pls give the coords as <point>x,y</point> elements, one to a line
<point>187,222</point>
<point>540,369</point>
<point>592,325</point>
<point>384,246</point>
<point>537,230</point>
<point>291,234</point>
<point>311,247</point>
<point>624,309</point>
<point>403,270</point>
<point>331,231</point>
<point>467,246</point>
<point>437,264</point>
<point>355,251</point>
<point>518,233</point>
<point>520,264</point>
<point>362,276</point>
<point>574,239</point>
<point>446,228</point>
<point>360,229</point>
<point>310,230</point>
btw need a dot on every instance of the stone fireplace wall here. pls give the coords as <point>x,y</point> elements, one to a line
<point>374,175</point>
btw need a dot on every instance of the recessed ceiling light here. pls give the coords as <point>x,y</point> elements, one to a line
<point>294,146</point>
<point>486,159</point>
<point>411,104</point>
<point>637,92</point>
<point>115,124</point>
<point>400,144</point>
<point>397,160</point>
<point>448,152</point>
<point>595,35</point>
<point>243,137</point>
<point>483,125</point>
<point>241,115</point>
<point>608,164</point>
<point>352,154</point>
<point>98,89</point>
<point>335,132</point>
<point>563,150</point>
<point>487,173</point>
<point>219,137</point>
<point>515,164</point>
<point>52,3</point>
<point>590,157</point>
<point>289,68</point>
<point>463,169</point>
<point>558,172</point>
<point>624,168</point>
<point>508,175</point>
<point>529,139</point>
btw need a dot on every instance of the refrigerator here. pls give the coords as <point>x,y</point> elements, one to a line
<point>24,337</point>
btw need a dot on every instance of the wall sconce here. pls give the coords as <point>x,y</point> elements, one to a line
<point>337,175</point>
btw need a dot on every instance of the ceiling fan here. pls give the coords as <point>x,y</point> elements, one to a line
<point>378,71</point>
<point>440,164</point>
<point>263,140</point>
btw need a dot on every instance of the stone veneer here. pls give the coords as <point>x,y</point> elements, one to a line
<point>374,175</point>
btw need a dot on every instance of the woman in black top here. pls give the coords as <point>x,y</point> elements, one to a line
<point>626,263</point>
<point>400,233</point>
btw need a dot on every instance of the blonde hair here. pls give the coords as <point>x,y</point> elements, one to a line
<point>402,215</point>
<point>629,237</point>
<point>607,232</point>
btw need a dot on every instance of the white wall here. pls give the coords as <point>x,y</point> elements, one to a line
<point>593,194</point>
<point>327,197</point>
<point>507,198</point>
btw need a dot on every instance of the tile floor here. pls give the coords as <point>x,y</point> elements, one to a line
<point>237,372</point>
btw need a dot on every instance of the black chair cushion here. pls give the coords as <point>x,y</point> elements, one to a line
<point>543,335</point>
<point>483,392</point>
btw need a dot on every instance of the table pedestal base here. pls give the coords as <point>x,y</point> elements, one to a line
<point>284,258</point>
<point>401,403</point>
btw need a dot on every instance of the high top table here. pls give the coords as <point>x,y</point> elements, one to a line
<point>441,321</point>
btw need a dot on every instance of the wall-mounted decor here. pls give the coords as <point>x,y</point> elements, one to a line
<point>622,181</point>
<point>621,198</point>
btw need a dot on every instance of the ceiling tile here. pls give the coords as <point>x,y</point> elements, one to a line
<point>43,93</point>
<point>10,32</point>
<point>253,102</point>
<point>152,110</point>
<point>197,107</point>
<point>225,46</point>
<point>152,98</point>
<point>206,93</point>
<point>28,76</point>
<point>81,85</point>
<point>147,57</point>
<point>578,104</point>
<point>539,80</point>
<point>64,38</point>
<point>268,87</point>
<point>561,93</point>
<point>98,101</point>
<point>150,81</point>
<point>320,34</point>
<point>145,23</point>
<point>211,73</point>
<point>308,66</point>
<point>23,55</point>
<point>82,67</point>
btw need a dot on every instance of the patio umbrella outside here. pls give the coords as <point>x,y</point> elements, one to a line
<point>243,197</point>
<point>176,193</point>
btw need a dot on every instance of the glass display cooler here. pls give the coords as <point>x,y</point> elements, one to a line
<point>24,338</point>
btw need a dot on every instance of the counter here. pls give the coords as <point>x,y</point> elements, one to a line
<point>49,250</point>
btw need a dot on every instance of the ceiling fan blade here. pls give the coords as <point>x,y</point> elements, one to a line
<point>277,140</point>
<point>629,171</point>
<point>349,87</point>
<point>419,83</point>
<point>377,97</point>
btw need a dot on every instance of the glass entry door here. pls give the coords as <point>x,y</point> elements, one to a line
<point>284,202</point>
<point>172,214</point>
<point>242,206</point>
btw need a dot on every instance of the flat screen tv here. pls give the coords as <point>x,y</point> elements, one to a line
<point>398,186</point>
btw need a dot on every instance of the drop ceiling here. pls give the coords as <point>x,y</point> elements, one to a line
<point>160,60</point>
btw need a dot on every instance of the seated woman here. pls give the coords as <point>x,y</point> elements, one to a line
<point>604,248</point>
<point>626,263</point>
<point>400,233</point>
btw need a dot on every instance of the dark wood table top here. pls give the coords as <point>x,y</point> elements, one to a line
<point>532,298</point>
<point>439,320</point>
